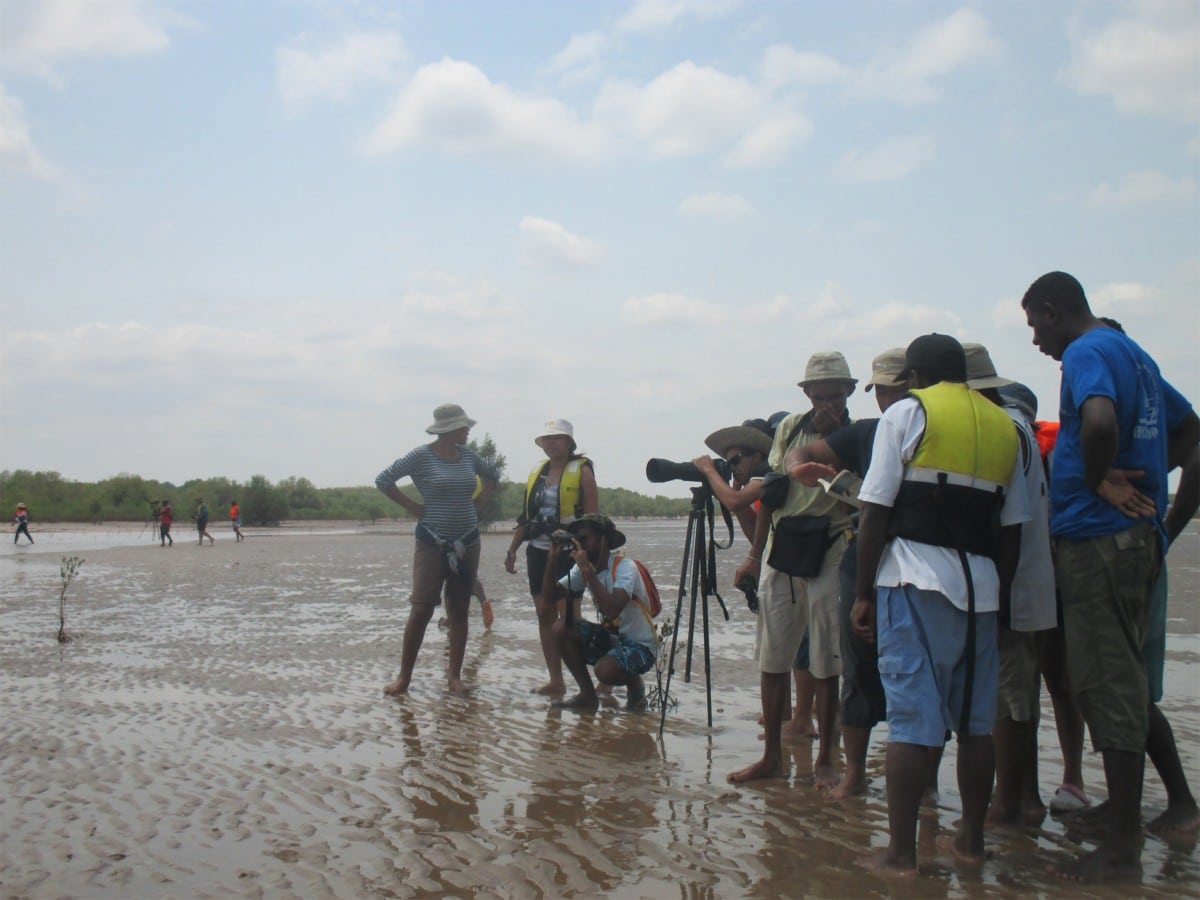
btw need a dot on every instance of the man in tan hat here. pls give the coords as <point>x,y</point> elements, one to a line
<point>803,540</point>
<point>862,701</point>
<point>22,520</point>
<point>744,449</point>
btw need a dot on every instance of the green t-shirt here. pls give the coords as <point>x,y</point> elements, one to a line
<point>802,500</point>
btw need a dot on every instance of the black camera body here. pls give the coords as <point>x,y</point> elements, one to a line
<point>661,470</point>
<point>564,542</point>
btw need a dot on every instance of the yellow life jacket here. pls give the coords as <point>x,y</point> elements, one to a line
<point>570,498</point>
<point>954,486</point>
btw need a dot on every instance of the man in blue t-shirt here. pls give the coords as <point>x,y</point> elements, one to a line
<point>1122,429</point>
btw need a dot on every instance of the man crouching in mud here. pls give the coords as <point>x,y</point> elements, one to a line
<point>620,647</point>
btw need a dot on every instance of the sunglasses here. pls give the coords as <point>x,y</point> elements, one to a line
<point>735,459</point>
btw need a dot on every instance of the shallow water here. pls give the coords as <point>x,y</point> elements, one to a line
<point>217,728</point>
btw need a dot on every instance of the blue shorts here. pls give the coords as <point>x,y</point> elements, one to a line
<point>801,661</point>
<point>634,658</point>
<point>922,642</point>
<point>1154,647</point>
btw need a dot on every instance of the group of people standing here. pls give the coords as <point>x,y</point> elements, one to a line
<point>571,547</point>
<point>967,557</point>
<point>939,561</point>
<point>166,517</point>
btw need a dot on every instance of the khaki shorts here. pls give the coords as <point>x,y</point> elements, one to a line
<point>1019,688</point>
<point>431,571</point>
<point>1105,584</point>
<point>788,607</point>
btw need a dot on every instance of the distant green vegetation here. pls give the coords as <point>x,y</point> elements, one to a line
<point>128,498</point>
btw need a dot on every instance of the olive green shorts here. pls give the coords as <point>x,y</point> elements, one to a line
<point>1105,583</point>
<point>1019,684</point>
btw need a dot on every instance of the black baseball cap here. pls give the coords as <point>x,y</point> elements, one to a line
<point>936,354</point>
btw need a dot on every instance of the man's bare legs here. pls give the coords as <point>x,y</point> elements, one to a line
<point>1181,819</point>
<point>801,724</point>
<point>824,770</point>
<point>1016,799</point>
<point>907,776</point>
<point>774,689</point>
<point>1119,853</point>
<point>855,742</point>
<point>1068,719</point>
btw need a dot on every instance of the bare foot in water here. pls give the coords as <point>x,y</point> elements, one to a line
<point>396,688</point>
<point>458,687</point>
<point>1105,863</point>
<point>882,864</point>
<point>579,701</point>
<point>825,777</point>
<point>795,729</point>
<point>635,696</point>
<point>551,689</point>
<point>760,769</point>
<point>848,787</point>
<point>1178,825</point>
<point>952,845</point>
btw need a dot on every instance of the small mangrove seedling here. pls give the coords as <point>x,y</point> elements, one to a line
<point>67,571</point>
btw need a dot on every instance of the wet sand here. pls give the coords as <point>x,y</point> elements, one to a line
<point>217,728</point>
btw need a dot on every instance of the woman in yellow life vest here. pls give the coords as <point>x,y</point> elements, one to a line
<point>558,491</point>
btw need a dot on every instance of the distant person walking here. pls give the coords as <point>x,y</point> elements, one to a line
<point>447,535</point>
<point>235,519</point>
<point>202,522</point>
<point>22,520</point>
<point>165,518</point>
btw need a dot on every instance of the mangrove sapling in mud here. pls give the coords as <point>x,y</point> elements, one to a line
<point>67,571</point>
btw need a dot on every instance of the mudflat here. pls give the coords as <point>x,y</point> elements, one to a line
<point>217,727</point>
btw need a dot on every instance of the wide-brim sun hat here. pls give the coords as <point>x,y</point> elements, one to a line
<point>20,506</point>
<point>887,369</point>
<point>601,523</point>
<point>827,366</point>
<point>449,417</point>
<point>981,371</point>
<point>753,434</point>
<point>554,428</point>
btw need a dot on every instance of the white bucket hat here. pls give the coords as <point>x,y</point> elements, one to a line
<point>555,427</point>
<point>449,417</point>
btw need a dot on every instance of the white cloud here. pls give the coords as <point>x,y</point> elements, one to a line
<point>37,35</point>
<point>893,159</point>
<point>440,296</point>
<point>770,140</point>
<point>934,52</point>
<point>716,205</point>
<point>1123,295</point>
<point>331,73</point>
<point>454,107</point>
<point>784,67</point>
<point>691,109</point>
<point>1148,62</point>
<point>544,242</point>
<point>581,56</point>
<point>883,324</point>
<point>671,309</point>
<point>652,14</point>
<point>18,155</point>
<point>1143,188</point>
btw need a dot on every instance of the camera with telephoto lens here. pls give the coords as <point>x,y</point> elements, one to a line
<point>565,542</point>
<point>660,470</point>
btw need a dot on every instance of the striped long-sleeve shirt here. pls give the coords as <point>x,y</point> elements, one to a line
<point>446,487</point>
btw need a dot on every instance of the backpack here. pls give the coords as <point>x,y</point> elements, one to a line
<point>647,583</point>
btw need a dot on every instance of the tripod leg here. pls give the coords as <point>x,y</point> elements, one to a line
<point>683,573</point>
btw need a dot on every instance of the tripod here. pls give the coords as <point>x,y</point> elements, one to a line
<point>155,516</point>
<point>700,564</point>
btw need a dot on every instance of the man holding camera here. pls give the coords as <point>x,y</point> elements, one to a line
<point>738,484</point>
<point>804,538</point>
<point>622,646</point>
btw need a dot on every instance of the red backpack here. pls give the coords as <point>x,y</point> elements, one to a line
<point>647,583</point>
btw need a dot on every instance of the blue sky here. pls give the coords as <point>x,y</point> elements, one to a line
<point>268,238</point>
